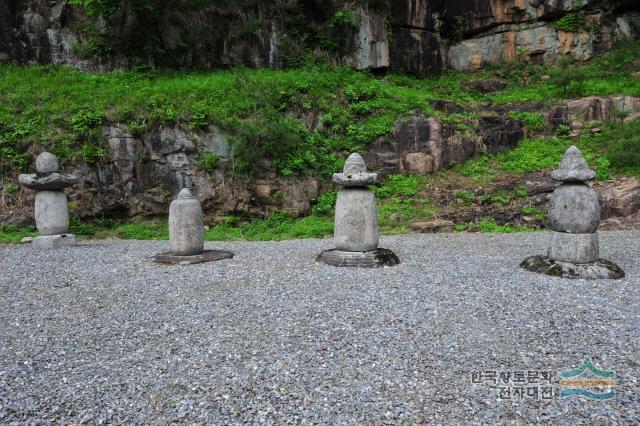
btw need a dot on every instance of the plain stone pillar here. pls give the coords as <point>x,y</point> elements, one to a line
<point>186,225</point>
<point>186,234</point>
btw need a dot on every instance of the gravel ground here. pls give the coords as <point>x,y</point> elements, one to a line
<point>100,334</point>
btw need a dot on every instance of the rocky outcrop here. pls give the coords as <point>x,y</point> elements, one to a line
<point>145,173</point>
<point>421,145</point>
<point>540,42</point>
<point>419,37</point>
<point>577,112</point>
<point>619,198</point>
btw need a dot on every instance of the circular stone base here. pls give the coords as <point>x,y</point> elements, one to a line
<point>600,269</point>
<point>205,256</point>
<point>367,259</point>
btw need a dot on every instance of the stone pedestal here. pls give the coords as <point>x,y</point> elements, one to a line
<point>186,234</point>
<point>356,221</point>
<point>54,241</point>
<point>51,208</point>
<point>574,216</point>
<point>573,248</point>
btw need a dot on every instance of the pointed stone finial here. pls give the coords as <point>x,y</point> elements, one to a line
<point>185,194</point>
<point>47,163</point>
<point>355,164</point>
<point>573,168</point>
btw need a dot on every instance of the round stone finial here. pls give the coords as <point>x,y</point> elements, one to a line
<point>355,164</point>
<point>185,194</point>
<point>46,162</point>
<point>573,168</point>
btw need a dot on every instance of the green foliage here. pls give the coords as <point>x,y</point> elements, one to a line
<point>531,120</point>
<point>278,226</point>
<point>570,76</point>
<point>464,197</point>
<point>538,214</point>
<point>147,230</point>
<point>500,198</point>
<point>400,185</point>
<point>326,203</point>
<point>208,162</point>
<point>621,142</point>
<point>489,225</point>
<point>396,214</point>
<point>572,22</point>
<point>11,234</point>
<point>83,229</point>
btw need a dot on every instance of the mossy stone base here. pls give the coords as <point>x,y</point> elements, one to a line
<point>368,259</point>
<point>206,256</point>
<point>600,269</point>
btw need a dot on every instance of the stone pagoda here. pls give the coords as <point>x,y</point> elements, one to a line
<point>51,208</point>
<point>574,216</point>
<point>186,234</point>
<point>356,221</point>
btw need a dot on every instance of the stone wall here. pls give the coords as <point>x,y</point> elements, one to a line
<point>414,36</point>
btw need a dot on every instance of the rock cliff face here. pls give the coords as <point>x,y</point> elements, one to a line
<point>413,36</point>
<point>142,174</point>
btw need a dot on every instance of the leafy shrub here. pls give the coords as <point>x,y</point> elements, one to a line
<point>573,21</point>
<point>407,185</point>
<point>622,144</point>
<point>464,197</point>
<point>208,162</point>
<point>85,121</point>
<point>531,120</point>
<point>325,203</point>
<point>11,234</point>
<point>569,76</point>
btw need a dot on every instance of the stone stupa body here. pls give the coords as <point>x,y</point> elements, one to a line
<point>51,209</point>
<point>574,217</point>
<point>186,234</point>
<point>356,221</point>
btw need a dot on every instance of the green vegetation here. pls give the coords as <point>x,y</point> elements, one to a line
<point>572,22</point>
<point>11,234</point>
<point>208,162</point>
<point>531,120</point>
<point>262,109</point>
<point>266,114</point>
<point>538,214</point>
<point>489,225</point>
<point>622,146</point>
<point>533,155</point>
<point>408,185</point>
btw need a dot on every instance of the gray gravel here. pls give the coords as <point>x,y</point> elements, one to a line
<point>99,333</point>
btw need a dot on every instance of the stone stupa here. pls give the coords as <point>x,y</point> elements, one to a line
<point>51,209</point>
<point>356,221</point>
<point>186,234</point>
<point>574,217</point>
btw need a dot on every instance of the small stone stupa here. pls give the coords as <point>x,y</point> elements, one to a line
<point>186,234</point>
<point>574,216</point>
<point>356,221</point>
<point>51,208</point>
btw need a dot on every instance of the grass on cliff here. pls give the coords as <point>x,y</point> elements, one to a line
<point>63,109</point>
